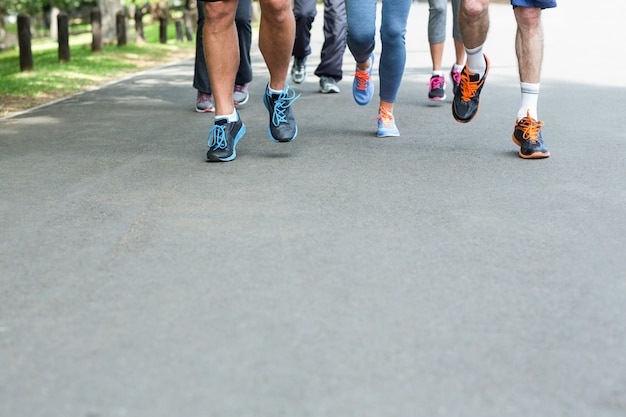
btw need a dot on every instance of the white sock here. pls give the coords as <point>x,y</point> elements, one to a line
<point>274,91</point>
<point>476,63</point>
<point>230,117</point>
<point>458,68</point>
<point>530,96</point>
<point>438,73</point>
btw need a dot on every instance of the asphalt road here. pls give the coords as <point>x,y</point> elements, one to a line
<point>434,274</point>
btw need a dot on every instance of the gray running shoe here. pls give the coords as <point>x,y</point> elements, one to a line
<point>298,70</point>
<point>204,102</point>
<point>240,94</point>
<point>328,85</point>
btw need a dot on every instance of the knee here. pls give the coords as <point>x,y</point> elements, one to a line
<point>217,15</point>
<point>528,18</point>
<point>438,9</point>
<point>304,10</point>
<point>392,34</point>
<point>473,10</point>
<point>360,37</point>
<point>276,11</point>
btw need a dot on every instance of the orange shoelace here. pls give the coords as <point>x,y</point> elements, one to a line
<point>386,116</point>
<point>468,87</point>
<point>362,78</point>
<point>530,127</point>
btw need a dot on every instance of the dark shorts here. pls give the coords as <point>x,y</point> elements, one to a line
<point>540,4</point>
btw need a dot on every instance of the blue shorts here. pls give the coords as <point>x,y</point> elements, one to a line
<point>540,4</point>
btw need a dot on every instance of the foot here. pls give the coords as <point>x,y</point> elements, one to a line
<point>466,102</point>
<point>204,102</point>
<point>282,127</point>
<point>223,138</point>
<point>362,87</point>
<point>386,124</point>
<point>527,135</point>
<point>240,94</point>
<point>298,70</point>
<point>328,85</point>
<point>437,88</point>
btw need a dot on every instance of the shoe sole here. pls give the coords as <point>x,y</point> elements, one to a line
<point>240,134</point>
<point>458,119</point>
<point>329,91</point>
<point>269,132</point>
<point>437,98</point>
<point>364,103</point>
<point>388,135</point>
<point>535,155</point>
<point>211,110</point>
<point>241,103</point>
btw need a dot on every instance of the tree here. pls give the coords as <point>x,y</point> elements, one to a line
<point>3,32</point>
<point>108,10</point>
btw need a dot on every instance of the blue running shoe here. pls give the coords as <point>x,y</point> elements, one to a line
<point>223,138</point>
<point>282,127</point>
<point>362,87</point>
<point>386,124</point>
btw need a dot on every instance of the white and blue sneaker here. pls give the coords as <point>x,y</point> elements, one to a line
<point>362,87</point>
<point>386,124</point>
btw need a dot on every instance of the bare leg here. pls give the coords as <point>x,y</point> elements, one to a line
<point>529,44</point>
<point>459,50</point>
<point>364,66</point>
<point>474,22</point>
<point>221,51</point>
<point>529,50</point>
<point>436,55</point>
<point>387,105</point>
<point>277,33</point>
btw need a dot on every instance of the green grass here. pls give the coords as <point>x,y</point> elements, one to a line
<point>50,79</point>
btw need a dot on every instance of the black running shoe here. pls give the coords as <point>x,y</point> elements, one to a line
<point>282,127</point>
<point>527,135</point>
<point>223,138</point>
<point>466,96</point>
<point>437,88</point>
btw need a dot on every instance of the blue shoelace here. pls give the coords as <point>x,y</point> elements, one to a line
<point>284,101</point>
<point>217,137</point>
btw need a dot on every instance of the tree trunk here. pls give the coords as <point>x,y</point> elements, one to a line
<point>64,37</point>
<point>24,38</point>
<point>108,10</point>
<point>3,33</point>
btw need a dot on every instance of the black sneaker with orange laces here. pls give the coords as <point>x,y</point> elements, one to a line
<point>466,103</point>
<point>527,135</point>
